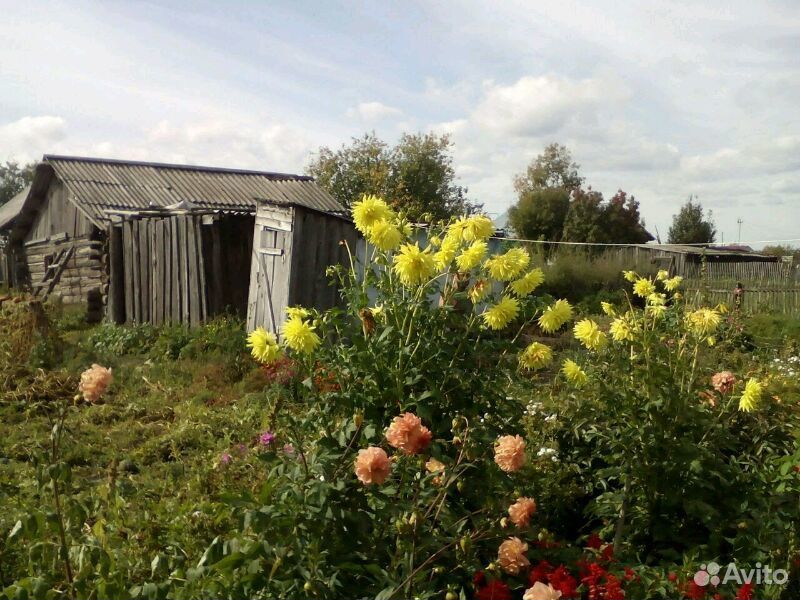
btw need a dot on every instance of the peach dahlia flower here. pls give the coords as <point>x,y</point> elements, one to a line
<point>372,465</point>
<point>521,511</point>
<point>509,453</point>
<point>408,434</point>
<point>94,382</point>
<point>511,556</point>
<point>541,591</point>
<point>723,382</point>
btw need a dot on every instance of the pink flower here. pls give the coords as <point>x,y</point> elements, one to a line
<point>509,453</point>
<point>521,511</point>
<point>511,556</point>
<point>225,459</point>
<point>723,382</point>
<point>288,450</point>
<point>372,465</point>
<point>266,438</point>
<point>408,434</point>
<point>94,382</point>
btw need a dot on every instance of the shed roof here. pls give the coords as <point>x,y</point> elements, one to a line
<point>10,210</point>
<point>98,185</point>
<point>709,250</point>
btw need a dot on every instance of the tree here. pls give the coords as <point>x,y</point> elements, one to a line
<point>544,194</point>
<point>553,168</point>
<point>783,250</point>
<point>690,227</point>
<point>13,178</point>
<point>621,221</point>
<point>584,217</point>
<point>540,214</point>
<point>415,176</point>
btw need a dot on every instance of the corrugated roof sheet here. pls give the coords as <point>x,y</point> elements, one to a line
<point>10,210</point>
<point>710,250</point>
<point>99,185</point>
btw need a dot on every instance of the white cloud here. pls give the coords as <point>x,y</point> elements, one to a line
<point>536,106</point>
<point>26,139</point>
<point>275,147</point>
<point>373,111</point>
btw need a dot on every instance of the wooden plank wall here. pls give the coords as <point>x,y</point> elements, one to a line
<point>317,245</point>
<point>164,270</point>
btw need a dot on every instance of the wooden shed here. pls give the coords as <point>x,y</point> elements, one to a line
<point>146,242</point>
<point>293,246</point>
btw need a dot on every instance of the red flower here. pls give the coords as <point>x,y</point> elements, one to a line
<point>745,592</point>
<point>613,589</point>
<point>673,577</point>
<point>594,542</point>
<point>630,574</point>
<point>695,592</point>
<point>478,579</point>
<point>563,582</point>
<point>494,590</point>
<point>540,572</point>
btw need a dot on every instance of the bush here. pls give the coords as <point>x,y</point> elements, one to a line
<point>109,340</point>
<point>587,278</point>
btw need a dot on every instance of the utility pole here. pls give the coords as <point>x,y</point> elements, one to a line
<point>739,221</point>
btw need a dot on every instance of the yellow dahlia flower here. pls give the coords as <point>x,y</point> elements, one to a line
<point>608,309</point>
<point>297,311</point>
<point>370,210</point>
<point>479,290</point>
<point>643,288</point>
<point>384,235</point>
<point>536,356</point>
<point>574,374</point>
<point>414,266</point>
<point>554,317</point>
<point>662,275</point>
<point>472,256</point>
<point>501,314</point>
<point>505,267</point>
<point>527,283</point>
<point>479,227</point>
<point>704,321</point>
<point>751,396</point>
<point>263,345</point>
<point>299,335</point>
<point>630,276</point>
<point>621,330</point>
<point>589,334</point>
<point>446,253</point>
<point>657,299</point>
<point>672,284</point>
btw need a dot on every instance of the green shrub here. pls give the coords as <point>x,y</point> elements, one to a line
<point>109,340</point>
<point>586,278</point>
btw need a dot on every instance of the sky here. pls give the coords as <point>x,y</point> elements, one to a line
<point>660,98</point>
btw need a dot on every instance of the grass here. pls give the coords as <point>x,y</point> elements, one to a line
<point>160,432</point>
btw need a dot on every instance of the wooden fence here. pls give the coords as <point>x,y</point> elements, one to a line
<point>784,300</point>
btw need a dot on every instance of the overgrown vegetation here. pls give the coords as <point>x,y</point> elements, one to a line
<point>445,434</point>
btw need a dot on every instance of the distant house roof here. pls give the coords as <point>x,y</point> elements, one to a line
<point>710,250</point>
<point>10,210</point>
<point>100,185</point>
